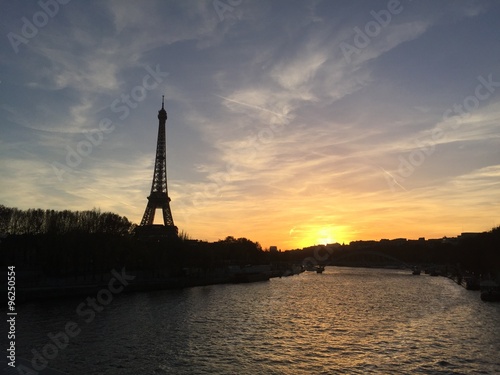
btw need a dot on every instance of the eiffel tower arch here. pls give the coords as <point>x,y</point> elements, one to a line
<point>158,197</point>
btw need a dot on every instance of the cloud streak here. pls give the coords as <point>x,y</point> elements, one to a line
<point>271,134</point>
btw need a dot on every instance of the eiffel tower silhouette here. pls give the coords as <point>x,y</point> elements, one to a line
<point>158,198</point>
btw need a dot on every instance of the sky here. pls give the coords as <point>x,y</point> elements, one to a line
<point>290,123</point>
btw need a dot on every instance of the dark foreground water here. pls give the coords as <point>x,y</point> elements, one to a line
<point>344,321</point>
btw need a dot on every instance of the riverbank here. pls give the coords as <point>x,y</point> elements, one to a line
<point>28,294</point>
<point>488,286</point>
<point>140,281</point>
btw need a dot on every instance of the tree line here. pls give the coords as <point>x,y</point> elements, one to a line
<point>81,243</point>
<point>15,221</point>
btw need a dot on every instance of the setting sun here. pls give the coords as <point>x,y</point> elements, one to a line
<point>330,137</point>
<point>325,237</point>
<point>319,235</point>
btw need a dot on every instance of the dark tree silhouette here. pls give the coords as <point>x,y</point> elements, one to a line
<point>37,221</point>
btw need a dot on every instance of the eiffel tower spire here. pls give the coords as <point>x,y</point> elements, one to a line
<point>158,198</point>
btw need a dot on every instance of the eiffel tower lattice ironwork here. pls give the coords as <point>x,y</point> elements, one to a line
<point>158,197</point>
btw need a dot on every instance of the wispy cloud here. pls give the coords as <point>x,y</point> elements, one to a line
<point>271,134</point>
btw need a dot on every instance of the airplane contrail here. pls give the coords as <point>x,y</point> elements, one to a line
<point>393,179</point>
<point>306,120</point>
<point>251,106</point>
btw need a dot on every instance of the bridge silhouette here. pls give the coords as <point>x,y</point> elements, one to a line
<point>365,257</point>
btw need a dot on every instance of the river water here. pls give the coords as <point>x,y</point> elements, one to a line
<point>344,321</point>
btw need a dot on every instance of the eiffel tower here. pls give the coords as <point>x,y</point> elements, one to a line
<point>158,198</point>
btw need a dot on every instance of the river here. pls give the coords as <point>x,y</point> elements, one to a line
<point>344,321</point>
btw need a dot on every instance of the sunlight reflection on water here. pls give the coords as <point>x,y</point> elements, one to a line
<point>345,320</point>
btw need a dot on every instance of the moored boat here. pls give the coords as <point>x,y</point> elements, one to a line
<point>490,291</point>
<point>314,268</point>
<point>247,277</point>
<point>472,283</point>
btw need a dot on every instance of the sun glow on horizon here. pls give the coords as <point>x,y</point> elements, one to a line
<point>325,237</point>
<point>292,147</point>
<point>322,235</point>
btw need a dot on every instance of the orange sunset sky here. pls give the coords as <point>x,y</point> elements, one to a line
<point>290,124</point>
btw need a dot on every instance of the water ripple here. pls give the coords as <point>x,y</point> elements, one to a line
<point>345,321</point>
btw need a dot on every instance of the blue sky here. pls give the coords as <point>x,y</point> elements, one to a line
<point>290,123</point>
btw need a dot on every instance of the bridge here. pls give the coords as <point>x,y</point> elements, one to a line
<point>366,258</point>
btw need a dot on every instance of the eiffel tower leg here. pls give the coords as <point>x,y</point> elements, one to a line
<point>149,215</point>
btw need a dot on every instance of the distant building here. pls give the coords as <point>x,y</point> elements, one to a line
<point>468,235</point>
<point>399,241</point>
<point>362,244</point>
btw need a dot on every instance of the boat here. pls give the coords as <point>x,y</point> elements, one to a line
<point>490,296</point>
<point>250,273</point>
<point>314,268</point>
<point>249,277</point>
<point>434,272</point>
<point>472,283</point>
<point>416,271</point>
<point>490,291</point>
